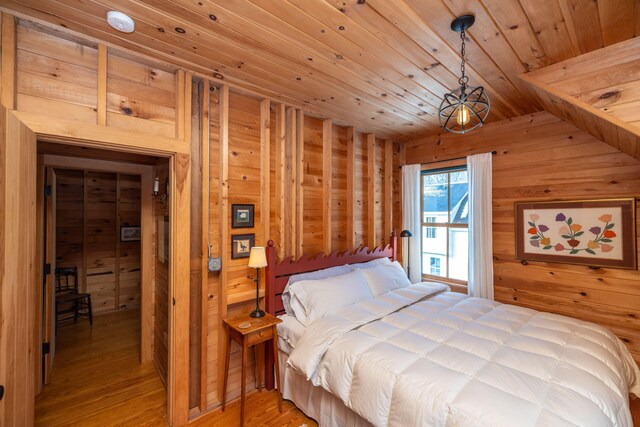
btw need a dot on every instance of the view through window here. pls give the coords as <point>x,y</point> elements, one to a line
<point>445,224</point>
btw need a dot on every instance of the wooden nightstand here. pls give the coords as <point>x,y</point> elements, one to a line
<point>260,330</point>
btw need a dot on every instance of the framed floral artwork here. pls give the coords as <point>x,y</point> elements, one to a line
<point>598,233</point>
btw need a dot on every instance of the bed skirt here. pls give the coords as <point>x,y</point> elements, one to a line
<point>316,402</point>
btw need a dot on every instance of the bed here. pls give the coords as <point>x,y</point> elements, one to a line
<point>422,355</point>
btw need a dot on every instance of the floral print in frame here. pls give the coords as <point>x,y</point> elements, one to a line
<point>593,232</point>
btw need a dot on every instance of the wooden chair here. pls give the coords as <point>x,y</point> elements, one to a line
<point>68,299</point>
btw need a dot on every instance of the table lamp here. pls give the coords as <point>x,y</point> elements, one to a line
<point>257,260</point>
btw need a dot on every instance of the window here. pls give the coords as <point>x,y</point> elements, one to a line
<point>434,266</point>
<point>445,224</point>
<point>430,232</point>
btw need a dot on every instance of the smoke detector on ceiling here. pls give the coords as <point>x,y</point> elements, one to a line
<point>120,21</point>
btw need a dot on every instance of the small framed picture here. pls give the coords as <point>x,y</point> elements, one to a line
<point>242,216</point>
<point>241,245</point>
<point>129,234</point>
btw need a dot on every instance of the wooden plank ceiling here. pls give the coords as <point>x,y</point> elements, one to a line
<point>377,64</point>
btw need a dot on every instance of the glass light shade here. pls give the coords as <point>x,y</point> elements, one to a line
<point>462,111</point>
<point>463,115</point>
<point>258,257</point>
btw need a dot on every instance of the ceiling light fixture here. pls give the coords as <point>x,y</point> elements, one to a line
<point>120,21</point>
<point>465,108</point>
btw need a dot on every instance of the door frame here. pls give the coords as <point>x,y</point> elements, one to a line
<point>95,136</point>
<point>47,203</point>
<point>145,172</point>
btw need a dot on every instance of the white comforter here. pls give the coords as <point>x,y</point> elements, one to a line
<point>447,359</point>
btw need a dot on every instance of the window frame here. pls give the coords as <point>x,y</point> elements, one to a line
<point>444,167</point>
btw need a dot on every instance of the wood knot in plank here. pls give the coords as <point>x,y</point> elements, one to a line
<point>611,94</point>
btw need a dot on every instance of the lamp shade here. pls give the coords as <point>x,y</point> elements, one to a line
<point>258,257</point>
<point>406,233</point>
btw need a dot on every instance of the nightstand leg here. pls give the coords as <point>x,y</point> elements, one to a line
<point>260,364</point>
<point>244,384</point>
<point>226,372</point>
<point>275,358</point>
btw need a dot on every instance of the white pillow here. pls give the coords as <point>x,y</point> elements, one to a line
<point>313,275</point>
<point>313,299</point>
<point>290,330</point>
<point>386,277</point>
<point>371,264</point>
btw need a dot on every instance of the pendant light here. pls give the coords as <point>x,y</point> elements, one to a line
<point>466,107</point>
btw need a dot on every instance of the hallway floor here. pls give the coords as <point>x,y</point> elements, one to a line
<point>97,379</point>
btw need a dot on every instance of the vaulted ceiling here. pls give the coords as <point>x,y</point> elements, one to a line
<point>380,65</point>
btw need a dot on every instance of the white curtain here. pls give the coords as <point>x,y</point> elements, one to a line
<point>411,221</point>
<point>480,229</point>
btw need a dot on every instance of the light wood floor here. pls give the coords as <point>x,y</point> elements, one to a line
<point>98,381</point>
<point>97,378</point>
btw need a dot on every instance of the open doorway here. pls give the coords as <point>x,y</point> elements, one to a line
<point>105,288</point>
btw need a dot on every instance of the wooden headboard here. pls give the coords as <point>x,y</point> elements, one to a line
<point>277,273</point>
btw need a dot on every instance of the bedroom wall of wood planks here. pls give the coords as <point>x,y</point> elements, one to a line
<point>314,168</point>
<point>259,151</point>
<point>540,157</point>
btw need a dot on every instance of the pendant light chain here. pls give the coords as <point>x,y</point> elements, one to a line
<point>463,80</point>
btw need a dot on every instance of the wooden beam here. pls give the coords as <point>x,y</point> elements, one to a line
<point>102,84</point>
<point>72,132</point>
<point>327,140</point>
<point>180,266</point>
<point>291,177</point>
<point>371,189</point>
<point>280,180</point>
<point>9,62</point>
<point>180,104</point>
<point>300,181</point>
<point>204,247</point>
<point>604,126</point>
<point>196,270</point>
<point>223,203</point>
<point>351,188</point>
<point>265,169</point>
<point>388,187</point>
<point>186,113</point>
<point>178,378</point>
